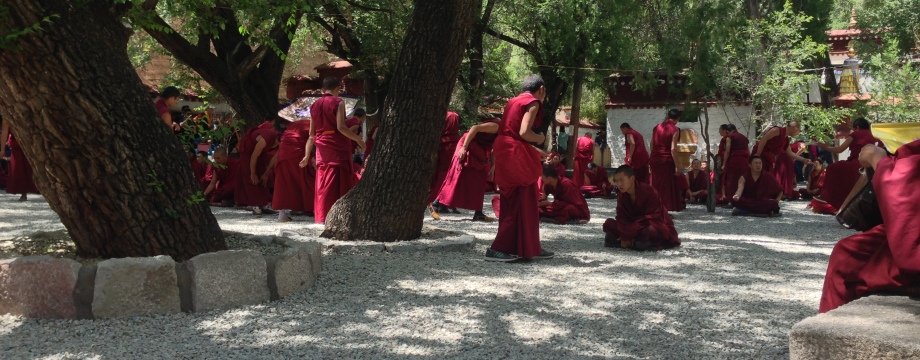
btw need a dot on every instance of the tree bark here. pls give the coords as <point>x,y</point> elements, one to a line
<point>103,159</point>
<point>475,79</point>
<point>388,204</point>
<point>577,89</point>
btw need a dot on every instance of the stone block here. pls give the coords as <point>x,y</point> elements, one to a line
<point>38,287</point>
<point>316,256</point>
<point>291,272</point>
<point>135,287</point>
<point>405,247</point>
<point>227,279</point>
<point>464,243</point>
<point>876,327</point>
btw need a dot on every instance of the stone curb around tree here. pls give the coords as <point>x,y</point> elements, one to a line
<point>52,288</point>
<point>451,244</point>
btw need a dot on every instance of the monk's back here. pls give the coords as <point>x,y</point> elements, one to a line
<point>663,135</point>
<point>861,138</point>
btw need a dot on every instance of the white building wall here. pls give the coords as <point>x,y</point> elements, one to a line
<point>645,120</point>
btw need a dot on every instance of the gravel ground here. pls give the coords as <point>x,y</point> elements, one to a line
<point>733,290</point>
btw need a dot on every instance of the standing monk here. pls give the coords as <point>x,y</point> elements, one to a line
<point>517,168</point>
<point>584,154</point>
<point>663,168</point>
<point>252,189</point>
<point>636,154</point>
<point>642,223</point>
<point>20,178</point>
<point>758,192</point>
<point>777,155</point>
<point>221,190</point>
<point>294,177</point>
<point>335,174</point>
<point>450,136</point>
<point>568,203</point>
<point>470,168</point>
<point>698,180</point>
<point>886,257</point>
<point>735,158</point>
<point>843,175</point>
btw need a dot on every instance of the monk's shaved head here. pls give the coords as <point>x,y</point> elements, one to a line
<point>220,151</point>
<point>626,170</point>
<point>331,83</point>
<point>533,83</point>
<point>550,171</point>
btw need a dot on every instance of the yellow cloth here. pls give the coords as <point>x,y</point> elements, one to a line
<point>895,135</point>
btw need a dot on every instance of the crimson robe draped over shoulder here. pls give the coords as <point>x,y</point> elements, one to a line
<point>772,149</point>
<point>294,186</point>
<point>643,219</point>
<point>699,182</point>
<point>584,154</point>
<point>202,176</point>
<point>517,168</point>
<point>599,183</point>
<point>335,174</point>
<point>568,203</point>
<point>466,182</point>
<point>663,167</point>
<point>20,179</point>
<point>640,158</point>
<point>737,164</point>
<point>759,196</point>
<point>450,137</point>
<point>227,178</point>
<point>246,193</point>
<point>887,256</point>
<point>843,175</point>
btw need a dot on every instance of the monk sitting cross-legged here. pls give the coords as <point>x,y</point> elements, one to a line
<point>224,176</point>
<point>596,182</point>
<point>758,192</point>
<point>642,223</point>
<point>698,179</point>
<point>568,204</point>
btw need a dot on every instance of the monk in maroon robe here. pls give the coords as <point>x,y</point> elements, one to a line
<point>518,165</point>
<point>698,181</point>
<point>887,257</point>
<point>597,184</point>
<point>256,147</point>
<point>224,177</point>
<point>815,180</point>
<point>642,222</point>
<point>662,164</point>
<point>295,176</point>
<point>568,205</point>
<point>735,157</point>
<point>584,154</point>
<point>758,192</point>
<point>335,174</point>
<point>20,177</point>
<point>843,175</point>
<point>200,167</point>
<point>450,136</point>
<point>778,158</point>
<point>466,181</point>
<point>557,160</point>
<point>636,154</point>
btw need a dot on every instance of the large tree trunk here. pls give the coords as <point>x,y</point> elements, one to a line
<point>475,79</point>
<point>555,89</point>
<point>388,204</point>
<point>107,165</point>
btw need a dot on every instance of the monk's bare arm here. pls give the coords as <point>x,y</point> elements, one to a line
<point>256,152</point>
<point>270,168</point>
<point>772,133</point>
<point>307,153</point>
<point>740,190</point>
<point>796,156</point>
<point>726,152</point>
<point>631,148</point>
<point>837,149</point>
<point>527,123</point>
<point>212,185</point>
<point>340,125</point>
<point>674,140</point>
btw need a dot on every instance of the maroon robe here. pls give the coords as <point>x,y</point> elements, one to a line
<point>466,182</point>
<point>294,186</point>
<point>785,175</point>
<point>335,174</point>
<point>20,179</point>
<point>843,175</point>
<point>815,184</point>
<point>450,137</point>
<point>560,170</point>
<point>640,158</point>
<point>202,175</point>
<point>699,182</point>
<point>568,203</point>
<point>227,178</point>
<point>643,220</point>
<point>772,150</point>
<point>737,164</point>
<point>759,196</point>
<point>599,184</point>
<point>369,144</point>
<point>517,168</point>
<point>246,193</point>
<point>887,256</point>
<point>584,154</point>
<point>663,167</point>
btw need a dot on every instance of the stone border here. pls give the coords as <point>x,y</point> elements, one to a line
<point>450,244</point>
<point>53,288</point>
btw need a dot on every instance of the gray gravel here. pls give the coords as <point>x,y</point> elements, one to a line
<point>733,290</point>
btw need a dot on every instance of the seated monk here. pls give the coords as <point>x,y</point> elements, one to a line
<point>815,181</point>
<point>885,258</point>
<point>757,195</point>
<point>223,179</point>
<point>200,166</point>
<point>568,205</point>
<point>698,179</point>
<point>597,184</point>
<point>642,223</point>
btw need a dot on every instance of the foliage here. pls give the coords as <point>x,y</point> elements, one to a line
<point>9,36</point>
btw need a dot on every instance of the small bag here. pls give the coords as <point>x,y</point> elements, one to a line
<point>862,212</point>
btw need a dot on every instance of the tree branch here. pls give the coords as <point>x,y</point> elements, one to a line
<point>510,40</point>
<point>367,8</point>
